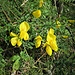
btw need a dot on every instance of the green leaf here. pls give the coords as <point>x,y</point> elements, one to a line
<point>1,50</point>
<point>15,57</point>
<point>24,56</point>
<point>16,65</point>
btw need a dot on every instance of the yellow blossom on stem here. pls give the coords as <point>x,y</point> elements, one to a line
<point>41,3</point>
<point>24,27</point>
<point>37,13</point>
<point>15,39</point>
<point>38,40</point>
<point>51,43</point>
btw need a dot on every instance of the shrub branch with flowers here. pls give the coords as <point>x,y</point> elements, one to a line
<point>24,27</point>
<point>34,41</point>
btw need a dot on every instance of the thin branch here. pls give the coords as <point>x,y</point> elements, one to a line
<point>13,13</point>
<point>6,16</point>
<point>40,58</point>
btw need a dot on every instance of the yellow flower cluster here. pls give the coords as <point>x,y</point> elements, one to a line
<point>50,44</point>
<point>37,13</point>
<point>17,38</point>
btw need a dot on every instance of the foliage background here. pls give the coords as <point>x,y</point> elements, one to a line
<point>27,60</point>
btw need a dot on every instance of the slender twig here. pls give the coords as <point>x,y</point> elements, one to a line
<point>7,16</point>
<point>13,13</point>
<point>40,58</point>
<point>24,2</point>
<point>10,48</point>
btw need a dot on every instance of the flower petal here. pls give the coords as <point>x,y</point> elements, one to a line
<point>14,41</point>
<point>48,50</point>
<point>26,36</point>
<point>38,40</point>
<point>65,36</point>
<point>53,45</point>
<point>51,31</point>
<point>58,26</point>
<point>12,34</point>
<point>38,37</point>
<point>37,43</point>
<point>51,37</point>
<point>71,21</point>
<point>24,26</point>
<point>36,13</point>
<point>19,43</point>
<point>57,22</point>
<point>22,34</point>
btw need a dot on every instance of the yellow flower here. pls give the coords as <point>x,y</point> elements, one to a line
<point>48,50</point>
<point>15,40</point>
<point>51,43</point>
<point>38,40</point>
<point>24,35</point>
<point>58,24</point>
<point>24,26</point>
<point>64,36</point>
<point>41,3</point>
<point>36,13</point>
<point>71,21</point>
